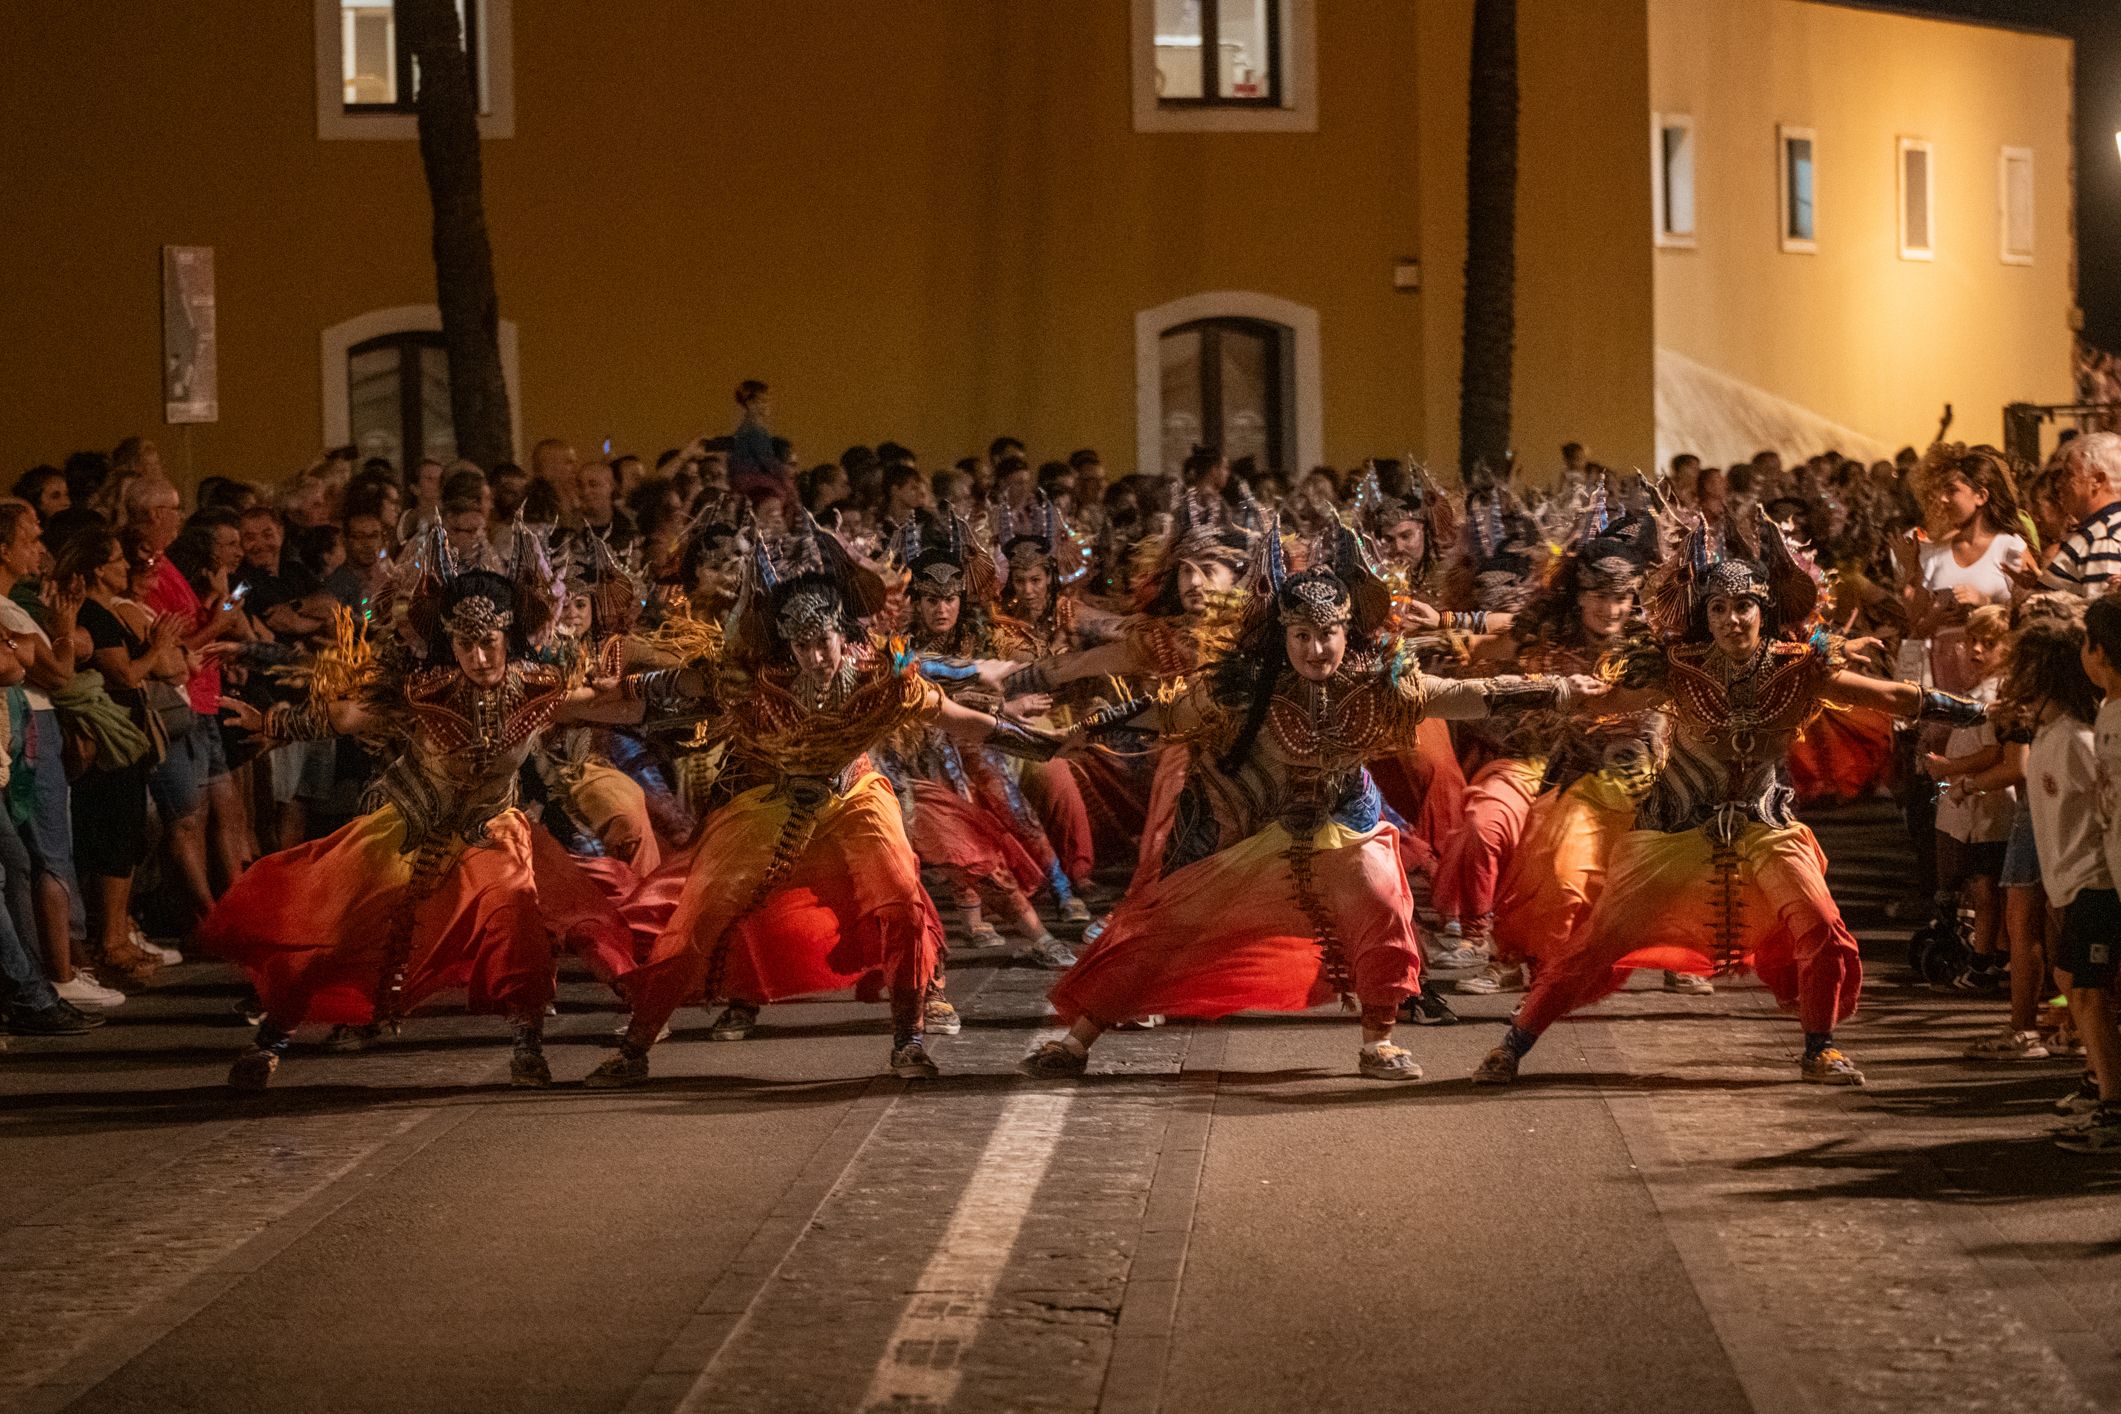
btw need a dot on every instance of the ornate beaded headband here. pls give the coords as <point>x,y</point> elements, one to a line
<point>477,617</point>
<point>1611,574</point>
<point>1321,602</point>
<point>809,615</point>
<point>1736,579</point>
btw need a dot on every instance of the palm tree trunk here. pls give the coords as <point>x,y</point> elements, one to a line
<point>464,290</point>
<point>1491,239</point>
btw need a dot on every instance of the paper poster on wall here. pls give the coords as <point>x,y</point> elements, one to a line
<point>189,393</point>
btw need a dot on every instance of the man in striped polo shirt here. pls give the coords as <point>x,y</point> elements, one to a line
<point>2090,559</point>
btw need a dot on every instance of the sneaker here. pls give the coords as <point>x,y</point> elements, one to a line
<point>625,1067</point>
<point>1687,984</point>
<point>1075,911</point>
<point>912,1062</point>
<point>1466,957</point>
<point>1426,1008</point>
<point>83,990</point>
<point>1141,1023</point>
<point>2100,1135</point>
<point>1985,981</point>
<point>352,1038</point>
<point>2065,1043</point>
<point>1381,1060</point>
<point>61,1018</point>
<point>2009,1046</point>
<point>1829,1067</point>
<point>734,1024</point>
<point>1050,952</point>
<point>984,936</point>
<point>1500,1068</point>
<point>1499,977</point>
<point>528,1070</point>
<point>126,963</point>
<point>939,1018</point>
<point>167,956</point>
<point>2080,1101</point>
<point>1055,1061</point>
<point>253,1070</point>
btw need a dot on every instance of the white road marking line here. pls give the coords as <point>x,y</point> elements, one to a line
<point>923,1361</point>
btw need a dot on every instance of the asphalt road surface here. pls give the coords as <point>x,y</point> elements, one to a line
<point>1219,1218</point>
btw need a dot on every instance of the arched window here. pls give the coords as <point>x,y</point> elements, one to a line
<point>1226,384</point>
<point>386,383</point>
<point>397,398</point>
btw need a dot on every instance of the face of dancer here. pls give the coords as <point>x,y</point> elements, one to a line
<point>574,615</point>
<point>1734,623</point>
<point>484,660</point>
<point>819,655</point>
<point>1315,652</point>
<point>1032,584</point>
<point>937,613</point>
<point>1197,579</point>
<point>1406,540</point>
<point>1604,612</point>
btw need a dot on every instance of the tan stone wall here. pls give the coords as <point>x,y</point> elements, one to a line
<point>922,219</point>
<point>1854,333</point>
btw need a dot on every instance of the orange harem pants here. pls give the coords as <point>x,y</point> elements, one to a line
<point>1496,804</point>
<point>849,911</point>
<point>1051,790</point>
<point>1226,934</point>
<point>967,840</point>
<point>1428,789</point>
<point>1558,869</point>
<point>312,926</point>
<point>1660,909</point>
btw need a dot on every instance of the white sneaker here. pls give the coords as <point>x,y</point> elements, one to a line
<point>1466,957</point>
<point>2009,1045</point>
<point>84,990</point>
<point>1688,984</point>
<point>169,957</point>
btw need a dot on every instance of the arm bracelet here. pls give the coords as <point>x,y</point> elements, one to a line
<point>946,670</point>
<point>1012,738</point>
<point>296,721</point>
<point>1028,679</point>
<point>1469,621</point>
<point>1522,694</point>
<point>660,689</point>
<point>1951,709</point>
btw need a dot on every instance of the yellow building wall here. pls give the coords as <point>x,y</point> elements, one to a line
<point>922,219</point>
<point>1854,333</point>
<point>1584,370</point>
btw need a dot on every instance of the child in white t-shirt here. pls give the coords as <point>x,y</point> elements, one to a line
<point>2102,664</point>
<point>1972,824</point>
<point>2048,677</point>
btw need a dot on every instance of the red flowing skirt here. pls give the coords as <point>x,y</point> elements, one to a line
<point>1226,933</point>
<point>312,927</point>
<point>849,910</point>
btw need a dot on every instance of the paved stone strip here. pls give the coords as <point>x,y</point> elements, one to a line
<point>1826,1299</point>
<point>89,1283</point>
<point>901,1280</point>
<point>1141,1349</point>
<point>923,1362</point>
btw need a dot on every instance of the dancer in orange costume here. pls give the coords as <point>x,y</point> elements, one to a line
<point>1280,885</point>
<point>801,880</point>
<point>446,884</point>
<point>1596,772</point>
<point>1718,873</point>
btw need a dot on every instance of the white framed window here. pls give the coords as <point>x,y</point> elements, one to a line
<point>1225,65</point>
<point>385,379</point>
<point>1672,179</point>
<point>366,81</point>
<point>1231,369</point>
<point>2014,195</point>
<point>1918,199</point>
<point>1797,177</point>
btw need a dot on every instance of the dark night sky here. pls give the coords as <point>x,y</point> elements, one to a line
<point>2096,27</point>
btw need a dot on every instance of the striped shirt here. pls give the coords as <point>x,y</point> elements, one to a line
<point>2089,557</point>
